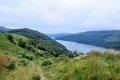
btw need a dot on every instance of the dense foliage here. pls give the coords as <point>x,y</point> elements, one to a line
<point>107,39</point>
<point>22,56</point>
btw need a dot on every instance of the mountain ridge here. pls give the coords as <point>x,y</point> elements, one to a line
<point>3,28</point>
<point>41,38</point>
<point>106,39</point>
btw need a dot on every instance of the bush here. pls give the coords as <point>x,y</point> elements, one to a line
<point>81,53</point>
<point>29,47</point>
<point>110,55</point>
<point>23,62</point>
<point>33,42</point>
<point>75,53</point>
<point>22,43</point>
<point>38,54</point>
<point>70,55</point>
<point>10,37</point>
<point>94,53</point>
<point>12,65</point>
<point>26,55</point>
<point>29,56</point>
<point>41,48</point>
<point>46,62</point>
<point>56,60</point>
<point>35,77</point>
<point>4,61</point>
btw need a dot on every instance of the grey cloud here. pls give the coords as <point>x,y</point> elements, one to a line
<point>56,16</point>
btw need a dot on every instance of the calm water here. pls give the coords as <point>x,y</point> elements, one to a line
<point>80,47</point>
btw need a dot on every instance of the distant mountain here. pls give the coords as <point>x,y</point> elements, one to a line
<point>44,40</point>
<point>59,34</point>
<point>107,39</point>
<point>2,29</point>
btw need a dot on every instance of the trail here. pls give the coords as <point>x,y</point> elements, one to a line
<point>42,77</point>
<point>39,71</point>
<point>29,72</point>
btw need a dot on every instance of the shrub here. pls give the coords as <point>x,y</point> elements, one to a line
<point>94,77</point>
<point>6,53</point>
<point>10,37</point>
<point>46,62</point>
<point>29,47</point>
<point>22,43</point>
<point>75,53</point>
<point>33,42</point>
<point>4,61</point>
<point>29,56</point>
<point>94,53</point>
<point>12,65</point>
<point>35,77</point>
<point>110,55</point>
<point>40,54</point>
<point>23,62</point>
<point>81,53</point>
<point>70,55</point>
<point>41,48</point>
<point>59,59</point>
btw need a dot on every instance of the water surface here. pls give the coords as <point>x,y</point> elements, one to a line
<point>80,47</point>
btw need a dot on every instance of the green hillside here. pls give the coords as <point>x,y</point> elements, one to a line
<point>44,40</point>
<point>95,66</point>
<point>16,59</point>
<point>22,59</point>
<point>107,39</point>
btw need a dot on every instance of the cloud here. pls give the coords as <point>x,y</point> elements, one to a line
<point>61,15</point>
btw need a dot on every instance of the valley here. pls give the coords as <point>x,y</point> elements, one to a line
<point>26,54</point>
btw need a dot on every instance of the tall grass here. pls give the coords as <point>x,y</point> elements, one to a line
<point>94,53</point>
<point>4,62</point>
<point>95,66</point>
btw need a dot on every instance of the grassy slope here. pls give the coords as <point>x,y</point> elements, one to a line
<point>43,39</point>
<point>8,48</point>
<point>94,66</point>
<point>107,39</point>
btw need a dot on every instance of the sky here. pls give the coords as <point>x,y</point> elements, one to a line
<point>61,16</point>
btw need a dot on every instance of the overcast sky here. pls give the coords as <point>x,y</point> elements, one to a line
<point>57,16</point>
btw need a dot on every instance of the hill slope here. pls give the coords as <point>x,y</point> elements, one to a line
<point>2,29</point>
<point>16,61</point>
<point>21,57</point>
<point>107,39</point>
<point>44,40</point>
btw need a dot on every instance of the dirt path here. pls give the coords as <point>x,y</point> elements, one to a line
<point>42,77</point>
<point>33,70</point>
<point>39,71</point>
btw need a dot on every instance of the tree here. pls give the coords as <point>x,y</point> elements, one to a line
<point>22,43</point>
<point>75,53</point>
<point>70,55</point>
<point>10,37</point>
<point>81,53</point>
